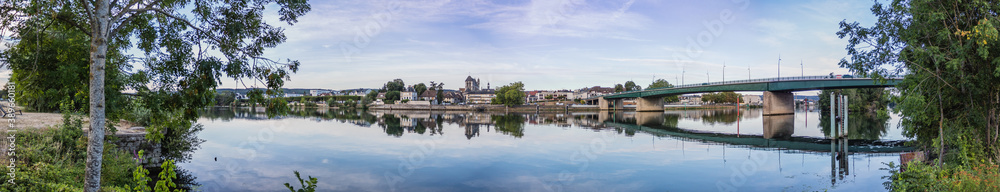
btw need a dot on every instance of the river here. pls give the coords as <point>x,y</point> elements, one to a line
<point>676,150</point>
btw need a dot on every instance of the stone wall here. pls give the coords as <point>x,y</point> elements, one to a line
<point>133,142</point>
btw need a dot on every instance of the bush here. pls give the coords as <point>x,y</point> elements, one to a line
<point>922,177</point>
<point>55,160</point>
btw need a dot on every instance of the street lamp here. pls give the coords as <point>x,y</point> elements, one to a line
<point>723,71</point>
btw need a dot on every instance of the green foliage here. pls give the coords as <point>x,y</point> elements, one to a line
<point>392,96</point>
<point>50,65</point>
<point>307,186</point>
<point>660,83</point>
<point>54,160</point>
<point>722,97</point>
<point>331,102</point>
<point>225,98</point>
<point>420,88</point>
<point>631,86</point>
<point>619,88</point>
<point>371,96</point>
<point>923,177</point>
<point>140,177</point>
<point>167,177</point>
<point>510,95</point>
<point>395,85</point>
<point>943,48</point>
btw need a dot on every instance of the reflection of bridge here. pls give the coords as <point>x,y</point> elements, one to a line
<point>778,98</point>
<point>778,132</point>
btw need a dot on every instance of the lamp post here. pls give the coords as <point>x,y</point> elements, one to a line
<point>723,71</point>
<point>803,68</point>
<point>779,66</point>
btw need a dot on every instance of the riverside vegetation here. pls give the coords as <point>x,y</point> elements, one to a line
<point>949,98</point>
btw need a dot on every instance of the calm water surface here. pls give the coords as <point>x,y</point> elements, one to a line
<point>686,150</point>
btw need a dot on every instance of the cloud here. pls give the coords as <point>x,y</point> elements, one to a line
<point>775,32</point>
<point>568,18</point>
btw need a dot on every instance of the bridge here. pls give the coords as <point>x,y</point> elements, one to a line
<point>778,98</point>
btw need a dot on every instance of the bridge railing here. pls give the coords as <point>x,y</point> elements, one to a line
<point>757,81</point>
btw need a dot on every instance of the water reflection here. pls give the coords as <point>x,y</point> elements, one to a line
<point>692,150</point>
<point>859,126</point>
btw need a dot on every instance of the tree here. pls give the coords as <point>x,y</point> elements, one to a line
<point>660,83</point>
<point>371,95</point>
<point>392,96</point>
<point>440,92</point>
<point>420,88</point>
<point>944,50</point>
<point>234,35</point>
<point>631,86</point>
<point>619,88</point>
<point>395,85</point>
<point>40,62</point>
<point>510,95</point>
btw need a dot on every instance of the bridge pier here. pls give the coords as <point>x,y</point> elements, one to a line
<point>649,104</point>
<point>606,104</point>
<point>779,103</point>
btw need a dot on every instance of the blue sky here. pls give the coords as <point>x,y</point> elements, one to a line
<point>562,44</point>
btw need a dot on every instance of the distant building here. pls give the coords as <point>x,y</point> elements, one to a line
<point>474,95</point>
<point>316,92</point>
<point>753,99</point>
<point>408,94</point>
<point>471,84</point>
<point>480,97</point>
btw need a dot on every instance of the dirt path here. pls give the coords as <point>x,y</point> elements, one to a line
<point>34,120</point>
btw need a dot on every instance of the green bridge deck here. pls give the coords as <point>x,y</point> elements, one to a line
<point>771,84</point>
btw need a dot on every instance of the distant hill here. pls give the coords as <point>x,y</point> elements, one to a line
<point>286,90</point>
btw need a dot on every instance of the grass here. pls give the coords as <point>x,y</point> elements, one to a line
<point>54,159</point>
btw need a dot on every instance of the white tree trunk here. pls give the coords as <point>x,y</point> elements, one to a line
<point>98,52</point>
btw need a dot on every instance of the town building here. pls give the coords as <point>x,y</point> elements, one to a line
<point>408,94</point>
<point>474,95</point>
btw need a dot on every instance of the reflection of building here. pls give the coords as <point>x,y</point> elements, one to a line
<point>474,121</point>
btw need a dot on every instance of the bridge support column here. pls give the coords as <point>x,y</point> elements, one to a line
<point>648,104</point>
<point>606,104</point>
<point>779,103</point>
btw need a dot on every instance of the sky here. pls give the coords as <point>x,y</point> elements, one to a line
<point>562,44</point>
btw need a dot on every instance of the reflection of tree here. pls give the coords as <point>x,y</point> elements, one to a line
<point>670,120</point>
<point>391,125</point>
<point>859,125</point>
<point>509,124</point>
<point>213,113</point>
<point>726,117</point>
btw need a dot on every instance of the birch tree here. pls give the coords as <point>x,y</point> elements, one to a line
<point>183,54</point>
